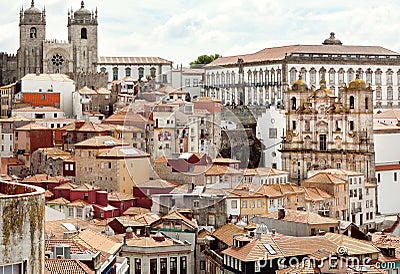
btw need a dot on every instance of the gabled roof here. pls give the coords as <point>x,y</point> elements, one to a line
<point>315,194</point>
<point>99,141</point>
<point>40,178</point>
<point>86,186</point>
<point>32,126</point>
<point>305,217</point>
<point>98,241</point>
<point>87,91</point>
<point>175,215</point>
<point>118,196</point>
<point>66,186</point>
<point>226,232</point>
<point>325,178</point>
<point>136,211</point>
<point>388,114</point>
<point>123,152</point>
<point>289,246</point>
<point>59,201</point>
<point>269,191</point>
<point>66,266</point>
<point>78,203</point>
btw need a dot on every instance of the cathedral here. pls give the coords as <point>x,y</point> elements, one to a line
<point>328,131</point>
<point>37,55</point>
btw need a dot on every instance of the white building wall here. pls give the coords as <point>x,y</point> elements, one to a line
<point>65,88</point>
<point>273,120</point>
<point>7,144</point>
<point>388,190</point>
<point>191,83</point>
<point>230,211</point>
<point>39,110</point>
<point>383,141</point>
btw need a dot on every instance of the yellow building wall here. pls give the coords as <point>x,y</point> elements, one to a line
<point>256,210</point>
<point>132,171</point>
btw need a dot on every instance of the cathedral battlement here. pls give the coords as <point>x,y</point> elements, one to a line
<point>55,41</point>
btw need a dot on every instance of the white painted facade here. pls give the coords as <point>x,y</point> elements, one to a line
<point>232,206</point>
<point>271,126</point>
<point>39,112</point>
<point>56,82</point>
<point>388,189</point>
<point>190,80</point>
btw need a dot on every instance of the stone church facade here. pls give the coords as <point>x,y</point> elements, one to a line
<point>76,57</point>
<point>328,131</point>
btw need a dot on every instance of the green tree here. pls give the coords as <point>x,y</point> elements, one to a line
<point>203,60</point>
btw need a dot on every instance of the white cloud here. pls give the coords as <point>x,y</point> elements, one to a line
<point>181,30</point>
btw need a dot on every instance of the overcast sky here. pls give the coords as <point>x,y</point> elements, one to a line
<point>180,30</point>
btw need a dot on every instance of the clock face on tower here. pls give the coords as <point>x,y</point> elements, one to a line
<point>57,60</point>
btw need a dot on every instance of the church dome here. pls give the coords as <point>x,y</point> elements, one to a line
<point>300,85</point>
<point>82,11</point>
<point>332,40</point>
<point>357,84</point>
<point>32,9</point>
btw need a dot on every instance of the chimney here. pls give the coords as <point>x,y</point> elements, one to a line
<point>281,213</point>
<point>129,233</point>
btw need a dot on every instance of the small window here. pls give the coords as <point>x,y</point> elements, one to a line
<point>395,176</point>
<point>351,102</point>
<point>351,123</point>
<point>83,33</point>
<point>33,33</point>
<point>294,125</point>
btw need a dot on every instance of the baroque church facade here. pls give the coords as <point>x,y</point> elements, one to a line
<point>328,131</point>
<point>76,57</point>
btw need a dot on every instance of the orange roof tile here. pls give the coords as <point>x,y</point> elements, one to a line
<point>305,217</point>
<point>66,266</point>
<point>226,232</point>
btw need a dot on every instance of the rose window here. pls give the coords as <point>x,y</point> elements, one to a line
<point>57,60</point>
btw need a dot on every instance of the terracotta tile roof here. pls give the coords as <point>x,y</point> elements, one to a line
<point>387,241</point>
<point>32,126</point>
<point>157,183</point>
<point>98,241</point>
<point>341,172</point>
<point>87,91</point>
<point>54,152</point>
<point>48,194</point>
<point>269,191</point>
<point>136,211</point>
<point>66,266</point>
<point>325,178</point>
<point>387,167</point>
<point>86,186</point>
<point>202,233</point>
<point>279,53</point>
<point>58,201</point>
<point>225,161</point>
<point>40,178</point>
<point>288,188</point>
<point>150,242</point>
<point>85,126</point>
<point>175,215</point>
<point>161,159</point>
<point>118,196</point>
<point>264,171</point>
<point>216,170</point>
<point>133,61</point>
<point>16,118</point>
<point>56,77</point>
<point>103,91</point>
<point>100,141</point>
<point>78,203</point>
<point>315,194</point>
<point>123,152</point>
<point>66,186</point>
<point>37,109</point>
<point>388,114</point>
<point>226,232</point>
<point>57,229</point>
<point>305,217</point>
<point>288,246</point>
<point>244,193</point>
<point>75,246</point>
<point>137,220</point>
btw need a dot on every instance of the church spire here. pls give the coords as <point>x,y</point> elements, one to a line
<point>82,4</point>
<point>32,3</point>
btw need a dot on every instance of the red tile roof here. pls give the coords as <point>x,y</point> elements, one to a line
<point>66,266</point>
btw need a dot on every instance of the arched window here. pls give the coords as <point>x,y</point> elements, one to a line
<point>128,72</point>
<point>351,102</point>
<point>83,33</point>
<point>33,33</point>
<point>115,74</point>
<point>141,73</point>
<point>294,104</point>
<point>293,72</point>
<point>153,73</point>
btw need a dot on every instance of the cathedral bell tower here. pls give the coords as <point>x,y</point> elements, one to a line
<point>32,30</point>
<point>82,34</point>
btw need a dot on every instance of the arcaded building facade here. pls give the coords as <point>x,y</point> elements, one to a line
<point>328,131</point>
<point>261,78</point>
